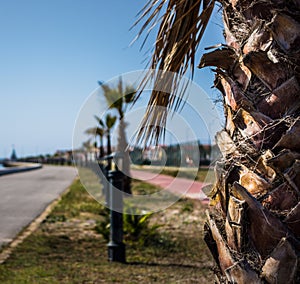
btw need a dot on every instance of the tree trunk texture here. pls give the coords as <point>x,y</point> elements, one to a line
<point>253,229</point>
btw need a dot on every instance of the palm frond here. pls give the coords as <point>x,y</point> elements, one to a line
<point>113,97</point>
<point>95,131</point>
<point>181,28</point>
<point>100,131</point>
<point>87,144</point>
<point>130,93</point>
<point>100,121</point>
<point>118,97</point>
<point>110,121</point>
<point>90,131</point>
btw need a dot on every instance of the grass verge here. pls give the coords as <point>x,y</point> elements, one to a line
<point>67,249</point>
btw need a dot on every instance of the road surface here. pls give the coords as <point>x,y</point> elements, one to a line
<point>24,196</point>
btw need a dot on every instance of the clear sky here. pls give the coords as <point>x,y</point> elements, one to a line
<point>52,53</point>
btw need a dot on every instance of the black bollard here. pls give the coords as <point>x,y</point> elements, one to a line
<point>116,247</point>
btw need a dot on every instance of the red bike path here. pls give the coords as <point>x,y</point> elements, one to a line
<point>179,186</point>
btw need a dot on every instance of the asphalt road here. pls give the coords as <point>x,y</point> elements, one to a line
<point>24,196</point>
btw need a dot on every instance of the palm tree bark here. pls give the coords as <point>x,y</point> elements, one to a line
<point>253,231</point>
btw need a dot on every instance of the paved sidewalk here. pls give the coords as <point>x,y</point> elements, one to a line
<point>180,186</point>
<point>24,196</point>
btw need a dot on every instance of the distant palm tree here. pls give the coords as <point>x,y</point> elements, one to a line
<point>97,131</point>
<point>254,233</point>
<point>110,121</point>
<point>104,129</point>
<point>87,149</point>
<point>120,98</point>
<point>100,132</point>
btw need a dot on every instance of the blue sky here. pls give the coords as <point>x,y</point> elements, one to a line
<point>52,54</point>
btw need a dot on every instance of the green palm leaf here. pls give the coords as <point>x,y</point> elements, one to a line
<point>95,131</point>
<point>100,121</point>
<point>110,121</point>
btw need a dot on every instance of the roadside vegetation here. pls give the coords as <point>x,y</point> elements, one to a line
<point>70,246</point>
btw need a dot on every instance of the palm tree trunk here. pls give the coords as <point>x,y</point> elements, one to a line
<point>122,147</point>
<point>101,148</point>
<point>253,230</point>
<point>108,151</point>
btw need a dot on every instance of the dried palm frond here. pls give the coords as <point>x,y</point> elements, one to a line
<point>180,31</point>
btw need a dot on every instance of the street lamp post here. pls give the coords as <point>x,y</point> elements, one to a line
<point>116,246</point>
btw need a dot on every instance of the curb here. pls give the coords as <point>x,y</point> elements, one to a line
<point>27,231</point>
<point>20,169</point>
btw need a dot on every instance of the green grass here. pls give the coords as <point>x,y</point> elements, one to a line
<point>143,188</point>
<point>76,202</point>
<point>67,249</point>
